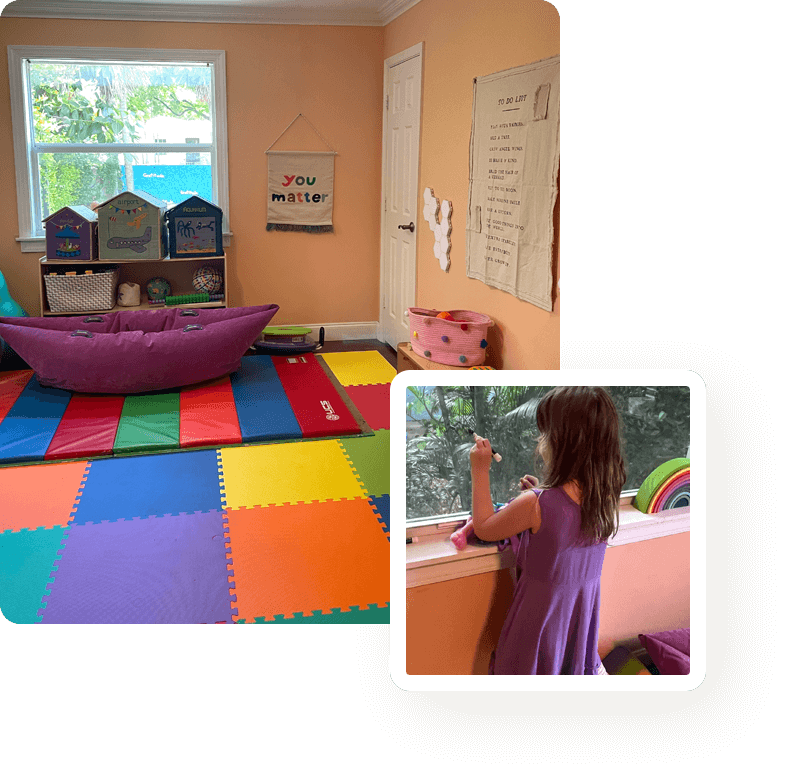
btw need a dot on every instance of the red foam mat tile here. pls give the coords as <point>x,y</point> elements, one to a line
<point>373,402</point>
<point>319,409</point>
<point>11,386</point>
<point>88,427</point>
<point>208,414</point>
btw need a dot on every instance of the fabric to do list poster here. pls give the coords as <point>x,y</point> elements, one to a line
<point>514,158</point>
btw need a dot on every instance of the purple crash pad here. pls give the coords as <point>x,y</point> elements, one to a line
<point>126,352</point>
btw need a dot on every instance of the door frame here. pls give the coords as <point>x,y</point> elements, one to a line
<point>397,59</point>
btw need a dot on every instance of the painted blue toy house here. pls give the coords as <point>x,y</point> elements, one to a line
<point>195,229</point>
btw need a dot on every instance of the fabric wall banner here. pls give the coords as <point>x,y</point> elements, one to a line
<point>300,191</point>
<point>514,158</point>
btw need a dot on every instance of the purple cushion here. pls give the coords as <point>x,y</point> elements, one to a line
<point>136,351</point>
<point>669,650</point>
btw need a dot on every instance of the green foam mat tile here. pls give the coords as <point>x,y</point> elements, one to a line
<point>373,615</point>
<point>148,423</point>
<point>370,457</point>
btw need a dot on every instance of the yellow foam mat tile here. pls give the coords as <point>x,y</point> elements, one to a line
<point>278,474</point>
<point>368,367</point>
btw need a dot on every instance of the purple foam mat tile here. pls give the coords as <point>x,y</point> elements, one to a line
<point>168,569</point>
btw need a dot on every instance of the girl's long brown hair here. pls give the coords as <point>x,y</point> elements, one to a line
<point>580,440</point>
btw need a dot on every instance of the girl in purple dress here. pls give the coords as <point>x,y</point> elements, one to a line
<point>559,532</point>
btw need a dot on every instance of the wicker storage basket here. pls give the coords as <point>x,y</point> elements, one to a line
<point>462,343</point>
<point>93,292</point>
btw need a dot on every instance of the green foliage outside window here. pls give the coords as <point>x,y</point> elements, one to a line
<point>103,103</point>
<point>655,428</point>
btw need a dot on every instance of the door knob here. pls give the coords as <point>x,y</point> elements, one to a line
<point>410,227</point>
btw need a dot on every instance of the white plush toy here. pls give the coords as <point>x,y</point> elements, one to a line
<point>128,294</point>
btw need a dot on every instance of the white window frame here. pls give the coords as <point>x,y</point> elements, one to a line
<point>31,237</point>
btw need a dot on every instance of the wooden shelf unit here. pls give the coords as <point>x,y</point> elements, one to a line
<point>177,270</point>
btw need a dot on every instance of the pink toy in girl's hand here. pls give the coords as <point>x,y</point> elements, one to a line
<point>460,538</point>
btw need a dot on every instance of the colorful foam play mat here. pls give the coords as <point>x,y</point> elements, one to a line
<point>267,399</point>
<point>666,487</point>
<point>272,532</point>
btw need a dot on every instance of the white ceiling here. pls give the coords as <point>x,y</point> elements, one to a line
<point>340,12</point>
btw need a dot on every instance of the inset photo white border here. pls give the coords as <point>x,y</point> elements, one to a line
<point>648,526</point>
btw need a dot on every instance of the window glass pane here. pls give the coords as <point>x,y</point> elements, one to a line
<point>79,179</point>
<point>173,177</point>
<point>655,427</point>
<point>71,179</point>
<point>75,102</point>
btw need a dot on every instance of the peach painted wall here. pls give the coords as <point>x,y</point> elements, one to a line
<point>333,75</point>
<point>453,626</point>
<point>464,39</point>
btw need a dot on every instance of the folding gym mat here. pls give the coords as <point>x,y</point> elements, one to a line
<point>267,399</point>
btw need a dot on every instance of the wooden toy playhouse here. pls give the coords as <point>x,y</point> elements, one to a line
<point>195,228</point>
<point>71,234</point>
<point>132,227</point>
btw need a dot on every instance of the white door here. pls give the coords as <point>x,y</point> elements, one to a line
<point>401,139</point>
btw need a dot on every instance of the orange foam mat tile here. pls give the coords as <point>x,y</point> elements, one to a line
<point>320,556</point>
<point>36,496</point>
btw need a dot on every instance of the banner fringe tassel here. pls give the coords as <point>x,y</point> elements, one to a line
<point>300,228</point>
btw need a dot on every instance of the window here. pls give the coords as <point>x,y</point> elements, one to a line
<point>90,123</point>
<point>655,428</point>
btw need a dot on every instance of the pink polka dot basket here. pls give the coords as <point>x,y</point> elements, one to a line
<point>460,340</point>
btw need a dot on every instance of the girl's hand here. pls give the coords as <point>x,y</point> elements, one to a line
<point>460,538</point>
<point>527,482</point>
<point>481,454</point>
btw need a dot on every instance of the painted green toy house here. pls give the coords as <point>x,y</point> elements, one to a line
<point>195,228</point>
<point>132,227</point>
<point>71,234</point>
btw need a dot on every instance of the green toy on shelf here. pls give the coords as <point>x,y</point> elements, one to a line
<point>178,300</point>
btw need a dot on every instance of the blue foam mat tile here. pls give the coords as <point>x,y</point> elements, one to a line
<point>381,506</point>
<point>150,485</point>
<point>30,424</point>
<point>263,409</point>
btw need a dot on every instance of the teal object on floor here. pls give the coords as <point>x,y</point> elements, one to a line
<point>8,307</point>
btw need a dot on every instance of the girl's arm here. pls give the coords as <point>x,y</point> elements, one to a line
<point>518,516</point>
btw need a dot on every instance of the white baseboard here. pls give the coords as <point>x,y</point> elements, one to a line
<point>344,331</point>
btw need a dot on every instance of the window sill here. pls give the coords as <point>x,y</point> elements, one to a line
<point>433,558</point>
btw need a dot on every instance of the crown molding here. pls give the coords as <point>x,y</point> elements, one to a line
<point>380,13</point>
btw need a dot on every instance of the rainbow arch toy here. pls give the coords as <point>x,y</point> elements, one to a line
<point>666,487</point>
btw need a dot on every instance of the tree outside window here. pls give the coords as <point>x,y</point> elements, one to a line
<point>655,428</point>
